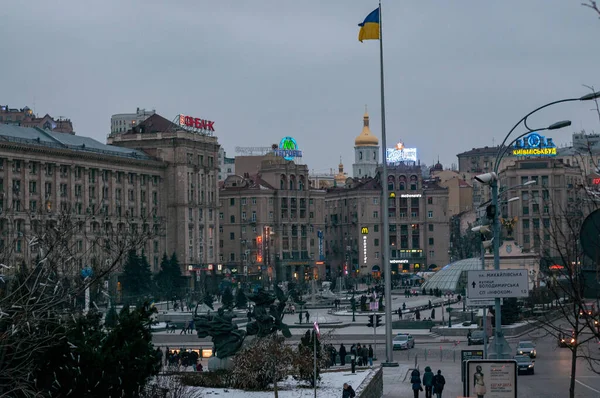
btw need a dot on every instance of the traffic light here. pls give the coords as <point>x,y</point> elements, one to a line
<point>378,321</point>
<point>370,324</point>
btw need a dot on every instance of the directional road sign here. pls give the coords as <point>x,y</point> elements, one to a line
<point>498,284</point>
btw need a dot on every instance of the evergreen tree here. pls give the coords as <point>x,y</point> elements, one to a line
<point>227,299</point>
<point>169,280</point>
<point>208,299</point>
<point>241,301</point>
<point>136,277</point>
<point>94,362</point>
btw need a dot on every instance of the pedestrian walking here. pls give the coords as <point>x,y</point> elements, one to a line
<point>438,384</point>
<point>300,317</point>
<point>342,355</point>
<point>370,355</point>
<point>399,313</point>
<point>348,391</point>
<point>365,355</point>
<point>167,355</point>
<point>428,382</point>
<point>307,316</point>
<point>415,380</point>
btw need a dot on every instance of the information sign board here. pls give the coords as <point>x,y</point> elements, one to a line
<point>498,283</point>
<point>491,378</point>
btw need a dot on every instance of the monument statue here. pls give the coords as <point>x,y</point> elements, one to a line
<point>268,315</point>
<point>226,336</point>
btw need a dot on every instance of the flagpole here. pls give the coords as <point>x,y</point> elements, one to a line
<point>387,272</point>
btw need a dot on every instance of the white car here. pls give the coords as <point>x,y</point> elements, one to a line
<point>403,342</point>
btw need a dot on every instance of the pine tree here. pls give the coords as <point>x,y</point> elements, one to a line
<point>169,280</point>
<point>208,299</point>
<point>241,301</point>
<point>136,277</point>
<point>227,299</point>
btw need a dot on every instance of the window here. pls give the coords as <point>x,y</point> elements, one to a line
<point>232,219</point>
<point>546,223</point>
<point>376,228</point>
<point>232,236</point>
<point>220,216</point>
<point>243,201</point>
<point>430,200</point>
<point>525,210</point>
<point>430,241</point>
<point>430,227</point>
<point>430,214</point>
<point>431,253</point>
<point>544,181</point>
<point>253,216</point>
<point>525,224</point>
<point>232,202</point>
<point>376,242</point>
<point>231,256</point>
<point>360,155</point>
<point>375,214</point>
<point>524,179</point>
<point>375,201</point>
<point>243,216</point>
<point>376,254</point>
<point>536,223</point>
<point>253,201</point>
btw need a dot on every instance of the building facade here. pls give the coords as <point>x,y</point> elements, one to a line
<point>110,193</point>
<point>419,224</point>
<point>226,165</point>
<point>271,223</point>
<point>189,188</point>
<point>123,122</point>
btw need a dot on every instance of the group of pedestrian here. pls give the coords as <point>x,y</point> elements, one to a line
<point>306,316</point>
<point>434,384</point>
<point>188,327</point>
<point>364,355</point>
<point>183,358</point>
<point>336,304</point>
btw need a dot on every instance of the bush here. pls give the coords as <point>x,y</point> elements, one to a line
<point>261,363</point>
<point>303,360</point>
<point>217,379</point>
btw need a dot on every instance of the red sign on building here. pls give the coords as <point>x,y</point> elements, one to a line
<point>196,123</point>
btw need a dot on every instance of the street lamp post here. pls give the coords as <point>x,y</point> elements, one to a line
<point>492,180</point>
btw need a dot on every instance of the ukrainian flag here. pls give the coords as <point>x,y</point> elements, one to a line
<point>369,29</point>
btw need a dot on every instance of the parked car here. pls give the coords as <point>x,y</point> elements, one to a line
<point>526,348</point>
<point>525,364</point>
<point>403,342</point>
<point>476,337</point>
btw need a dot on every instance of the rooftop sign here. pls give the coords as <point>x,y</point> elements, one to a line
<point>288,149</point>
<point>401,154</point>
<point>534,145</point>
<point>196,123</point>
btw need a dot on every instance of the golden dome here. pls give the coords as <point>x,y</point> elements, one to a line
<point>366,138</point>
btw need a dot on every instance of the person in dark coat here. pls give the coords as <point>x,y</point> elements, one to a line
<point>428,382</point>
<point>415,380</point>
<point>332,355</point>
<point>438,384</point>
<point>370,355</point>
<point>307,316</point>
<point>342,355</point>
<point>365,355</point>
<point>348,391</point>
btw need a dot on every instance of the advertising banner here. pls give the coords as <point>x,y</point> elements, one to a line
<point>491,378</point>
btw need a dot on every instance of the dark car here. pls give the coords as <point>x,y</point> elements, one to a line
<point>475,338</point>
<point>525,364</point>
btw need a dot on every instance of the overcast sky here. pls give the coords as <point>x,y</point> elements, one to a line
<point>459,74</point>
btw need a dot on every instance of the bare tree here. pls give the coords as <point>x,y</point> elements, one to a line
<point>593,5</point>
<point>41,280</point>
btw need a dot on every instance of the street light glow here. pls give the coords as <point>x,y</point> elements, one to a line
<point>514,199</point>
<point>530,182</point>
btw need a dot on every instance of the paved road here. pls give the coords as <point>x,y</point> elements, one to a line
<point>551,379</point>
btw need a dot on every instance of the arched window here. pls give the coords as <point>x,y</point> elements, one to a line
<point>282,182</point>
<point>360,155</point>
<point>374,155</point>
<point>292,183</point>
<point>301,183</point>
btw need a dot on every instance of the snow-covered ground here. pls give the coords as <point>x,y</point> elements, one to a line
<point>330,386</point>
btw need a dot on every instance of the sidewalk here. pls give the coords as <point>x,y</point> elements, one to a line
<point>396,381</point>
